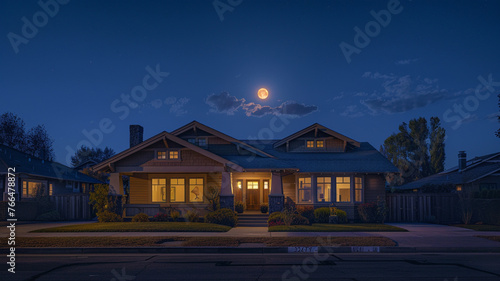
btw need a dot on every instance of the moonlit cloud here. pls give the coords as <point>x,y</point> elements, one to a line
<point>224,103</point>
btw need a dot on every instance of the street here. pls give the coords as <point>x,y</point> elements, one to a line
<point>374,266</point>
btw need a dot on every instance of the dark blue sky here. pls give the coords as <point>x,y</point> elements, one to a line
<point>76,67</point>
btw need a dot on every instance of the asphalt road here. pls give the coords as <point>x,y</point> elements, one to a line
<point>374,266</point>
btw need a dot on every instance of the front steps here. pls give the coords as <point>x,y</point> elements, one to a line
<point>252,220</point>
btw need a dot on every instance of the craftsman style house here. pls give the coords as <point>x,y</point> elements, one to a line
<point>315,166</point>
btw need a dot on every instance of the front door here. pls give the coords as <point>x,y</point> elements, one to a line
<point>253,195</point>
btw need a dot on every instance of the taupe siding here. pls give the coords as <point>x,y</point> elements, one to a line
<point>139,189</point>
<point>374,186</point>
<point>147,158</point>
<point>289,187</point>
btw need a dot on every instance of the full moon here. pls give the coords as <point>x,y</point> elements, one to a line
<point>263,93</point>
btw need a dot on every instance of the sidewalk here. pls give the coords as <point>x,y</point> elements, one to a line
<point>419,236</point>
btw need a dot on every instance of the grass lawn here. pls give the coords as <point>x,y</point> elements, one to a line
<point>139,227</point>
<point>326,227</point>
<point>86,241</point>
<point>493,238</point>
<point>480,227</point>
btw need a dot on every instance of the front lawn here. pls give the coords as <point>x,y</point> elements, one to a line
<point>480,227</point>
<point>326,227</point>
<point>112,242</point>
<point>139,227</point>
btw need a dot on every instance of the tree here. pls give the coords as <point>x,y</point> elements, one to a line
<point>498,131</point>
<point>414,152</point>
<point>84,154</point>
<point>39,143</point>
<point>12,131</point>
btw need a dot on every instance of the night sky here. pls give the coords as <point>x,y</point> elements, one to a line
<point>86,62</point>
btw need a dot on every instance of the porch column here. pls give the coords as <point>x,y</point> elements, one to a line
<point>226,192</point>
<point>276,198</point>
<point>115,184</point>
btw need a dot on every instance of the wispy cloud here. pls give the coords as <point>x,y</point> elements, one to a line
<point>228,104</point>
<point>352,111</point>
<point>407,61</point>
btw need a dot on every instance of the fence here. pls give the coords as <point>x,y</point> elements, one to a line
<point>73,206</point>
<point>432,207</point>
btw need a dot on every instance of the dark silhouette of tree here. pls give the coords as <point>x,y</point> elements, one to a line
<point>414,152</point>
<point>84,154</point>
<point>498,131</point>
<point>39,143</point>
<point>12,131</point>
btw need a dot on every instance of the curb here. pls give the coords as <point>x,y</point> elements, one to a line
<point>256,250</point>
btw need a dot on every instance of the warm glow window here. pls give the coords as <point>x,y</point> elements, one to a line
<point>196,190</point>
<point>266,184</point>
<point>174,154</point>
<point>177,190</point>
<point>305,194</point>
<point>252,185</point>
<point>310,144</point>
<point>51,190</point>
<point>161,155</point>
<point>324,186</point>
<point>343,189</point>
<point>159,190</point>
<point>358,189</point>
<point>32,188</point>
<point>320,144</point>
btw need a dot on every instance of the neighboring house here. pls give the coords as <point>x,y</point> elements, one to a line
<point>479,173</point>
<point>313,167</point>
<point>34,175</point>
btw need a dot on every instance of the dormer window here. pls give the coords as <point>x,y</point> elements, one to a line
<point>320,144</point>
<point>173,154</point>
<point>310,144</point>
<point>193,141</point>
<point>202,142</point>
<point>161,155</point>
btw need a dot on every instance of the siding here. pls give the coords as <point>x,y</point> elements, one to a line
<point>147,158</point>
<point>374,186</point>
<point>289,187</point>
<point>139,189</point>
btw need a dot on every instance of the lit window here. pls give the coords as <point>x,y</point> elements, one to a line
<point>459,187</point>
<point>51,190</point>
<point>343,189</point>
<point>305,190</point>
<point>177,190</point>
<point>174,154</point>
<point>161,155</point>
<point>310,144</point>
<point>266,184</point>
<point>324,186</point>
<point>32,189</point>
<point>202,142</point>
<point>252,185</point>
<point>159,190</point>
<point>196,190</point>
<point>320,143</point>
<point>239,184</point>
<point>358,189</point>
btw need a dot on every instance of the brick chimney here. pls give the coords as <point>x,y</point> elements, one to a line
<point>136,134</point>
<point>462,160</point>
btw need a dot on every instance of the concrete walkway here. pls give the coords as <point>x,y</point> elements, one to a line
<point>418,235</point>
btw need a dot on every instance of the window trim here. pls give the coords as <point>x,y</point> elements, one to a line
<point>362,189</point>
<point>27,181</point>
<point>324,183</point>
<point>164,190</point>
<point>299,201</point>
<point>350,189</point>
<point>202,189</point>
<point>167,154</point>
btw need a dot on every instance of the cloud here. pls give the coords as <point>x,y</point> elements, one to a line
<point>352,111</point>
<point>224,103</point>
<point>177,107</point>
<point>401,94</point>
<point>407,61</point>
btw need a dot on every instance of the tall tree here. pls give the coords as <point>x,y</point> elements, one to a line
<point>438,135</point>
<point>84,154</point>
<point>12,131</point>
<point>498,131</point>
<point>414,152</point>
<point>39,143</point>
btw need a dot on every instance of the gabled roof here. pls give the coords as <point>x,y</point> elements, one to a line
<point>317,127</point>
<point>476,168</point>
<point>164,136</point>
<point>195,124</point>
<point>30,165</point>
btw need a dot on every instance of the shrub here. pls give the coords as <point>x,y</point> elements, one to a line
<point>213,197</point>
<point>264,208</point>
<point>367,212</point>
<point>160,217</point>
<point>175,215</point>
<point>107,216</point>
<point>140,217</point>
<point>321,215</point>
<point>222,216</point>
<point>239,207</point>
<point>341,215</point>
<point>275,218</point>
<point>381,210</point>
<point>49,216</point>
<point>192,216</point>
<point>299,220</point>
<point>307,212</point>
